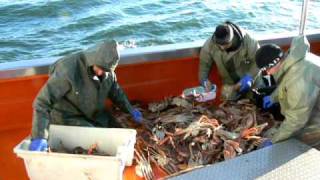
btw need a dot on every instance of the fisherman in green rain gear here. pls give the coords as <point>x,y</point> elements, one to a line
<point>298,91</point>
<point>232,50</point>
<point>76,91</point>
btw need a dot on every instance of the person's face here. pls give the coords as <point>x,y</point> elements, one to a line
<point>224,47</point>
<point>98,71</point>
<point>274,69</point>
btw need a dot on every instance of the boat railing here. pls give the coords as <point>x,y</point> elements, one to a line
<point>141,55</point>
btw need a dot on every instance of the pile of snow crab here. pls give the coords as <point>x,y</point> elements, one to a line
<point>179,135</point>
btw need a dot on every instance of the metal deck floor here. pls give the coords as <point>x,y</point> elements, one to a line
<point>290,160</point>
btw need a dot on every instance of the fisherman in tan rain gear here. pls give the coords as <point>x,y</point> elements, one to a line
<point>76,91</point>
<point>298,91</point>
<point>232,50</point>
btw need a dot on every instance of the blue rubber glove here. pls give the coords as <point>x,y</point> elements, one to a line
<point>267,102</point>
<point>206,84</point>
<point>38,144</point>
<point>245,83</point>
<point>137,116</point>
<point>266,143</point>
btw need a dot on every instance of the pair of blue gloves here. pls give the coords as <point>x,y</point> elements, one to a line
<point>41,144</point>
<point>245,84</point>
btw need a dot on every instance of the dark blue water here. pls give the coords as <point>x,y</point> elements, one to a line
<point>32,29</point>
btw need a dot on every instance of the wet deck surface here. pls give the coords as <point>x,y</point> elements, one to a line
<point>287,160</point>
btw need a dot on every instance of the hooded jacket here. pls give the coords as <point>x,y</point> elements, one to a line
<point>74,94</point>
<point>233,65</point>
<point>298,94</point>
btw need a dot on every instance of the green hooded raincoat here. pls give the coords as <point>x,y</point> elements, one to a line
<point>298,94</point>
<point>231,65</point>
<point>73,95</point>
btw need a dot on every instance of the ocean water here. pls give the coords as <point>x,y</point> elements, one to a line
<point>34,29</point>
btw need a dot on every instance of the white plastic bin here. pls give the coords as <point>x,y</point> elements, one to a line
<point>115,141</point>
<point>200,93</point>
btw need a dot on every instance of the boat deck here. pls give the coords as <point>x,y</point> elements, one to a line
<point>287,160</point>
